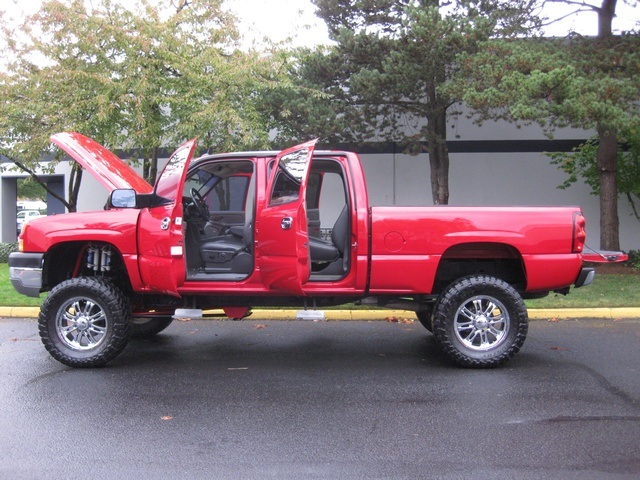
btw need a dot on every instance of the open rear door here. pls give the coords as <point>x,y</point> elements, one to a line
<point>282,236</point>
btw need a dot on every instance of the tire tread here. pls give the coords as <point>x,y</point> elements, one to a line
<point>448,303</point>
<point>115,301</point>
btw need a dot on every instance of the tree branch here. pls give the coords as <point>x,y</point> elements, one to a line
<point>35,176</point>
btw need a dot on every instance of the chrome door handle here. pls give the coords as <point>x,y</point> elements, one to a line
<point>286,223</point>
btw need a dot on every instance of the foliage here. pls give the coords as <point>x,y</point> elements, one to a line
<point>634,258</point>
<point>130,79</point>
<point>381,78</point>
<point>581,163</point>
<point>579,82</point>
<point>6,249</point>
<point>583,82</point>
<point>32,190</point>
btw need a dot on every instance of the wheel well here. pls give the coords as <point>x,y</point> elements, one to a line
<point>495,259</point>
<point>75,259</point>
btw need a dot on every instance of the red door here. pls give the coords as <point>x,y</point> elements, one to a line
<point>281,227</point>
<point>161,241</point>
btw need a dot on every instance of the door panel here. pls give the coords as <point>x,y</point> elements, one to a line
<point>281,228</point>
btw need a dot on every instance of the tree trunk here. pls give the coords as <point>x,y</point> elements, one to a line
<point>438,159</point>
<point>150,166</point>
<point>438,152</point>
<point>146,167</point>
<point>606,158</point>
<point>75,179</point>
<point>153,168</point>
<point>606,12</point>
<point>43,183</point>
<point>607,155</point>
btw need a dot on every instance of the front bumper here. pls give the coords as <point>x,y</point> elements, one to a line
<point>25,272</point>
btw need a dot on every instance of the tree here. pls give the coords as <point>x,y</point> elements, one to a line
<point>130,79</point>
<point>31,190</point>
<point>382,77</point>
<point>590,83</point>
<point>581,163</point>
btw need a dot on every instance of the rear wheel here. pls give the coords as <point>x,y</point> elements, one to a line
<point>480,321</point>
<point>85,322</point>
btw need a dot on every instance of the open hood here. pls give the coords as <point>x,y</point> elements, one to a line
<point>107,168</point>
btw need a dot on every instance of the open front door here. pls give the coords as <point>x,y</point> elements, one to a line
<point>281,227</point>
<point>161,241</point>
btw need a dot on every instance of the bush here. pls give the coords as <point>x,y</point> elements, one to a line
<point>634,258</point>
<point>6,249</point>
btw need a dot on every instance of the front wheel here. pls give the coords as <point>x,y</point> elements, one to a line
<point>424,317</point>
<point>480,321</point>
<point>85,322</point>
<point>148,326</point>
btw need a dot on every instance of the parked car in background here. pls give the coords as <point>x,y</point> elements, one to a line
<point>24,216</point>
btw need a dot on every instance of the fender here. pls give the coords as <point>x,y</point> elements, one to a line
<point>117,227</point>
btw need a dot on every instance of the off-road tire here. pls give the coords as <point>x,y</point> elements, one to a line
<point>480,321</point>
<point>424,317</point>
<point>149,326</point>
<point>85,322</point>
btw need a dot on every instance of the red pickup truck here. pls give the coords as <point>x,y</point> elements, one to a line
<point>237,230</point>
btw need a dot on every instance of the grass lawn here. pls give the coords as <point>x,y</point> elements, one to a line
<point>607,290</point>
<point>9,297</point>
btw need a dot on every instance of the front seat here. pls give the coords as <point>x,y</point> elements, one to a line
<point>232,252</point>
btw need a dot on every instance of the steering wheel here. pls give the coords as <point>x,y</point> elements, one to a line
<point>200,204</point>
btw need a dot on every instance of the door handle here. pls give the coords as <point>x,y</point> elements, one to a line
<point>164,225</point>
<point>286,223</point>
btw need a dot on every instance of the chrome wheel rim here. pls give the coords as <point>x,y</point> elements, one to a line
<point>481,323</point>
<point>81,324</point>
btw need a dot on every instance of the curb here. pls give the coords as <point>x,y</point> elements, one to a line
<point>373,315</point>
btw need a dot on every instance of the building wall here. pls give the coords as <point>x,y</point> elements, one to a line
<point>496,164</point>
<point>499,179</point>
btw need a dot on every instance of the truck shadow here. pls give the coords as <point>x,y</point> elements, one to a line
<point>286,344</point>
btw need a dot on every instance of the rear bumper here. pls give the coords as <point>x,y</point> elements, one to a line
<point>25,273</point>
<point>585,277</point>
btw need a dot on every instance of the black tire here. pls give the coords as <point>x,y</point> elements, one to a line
<point>480,321</point>
<point>424,317</point>
<point>85,322</point>
<point>149,326</point>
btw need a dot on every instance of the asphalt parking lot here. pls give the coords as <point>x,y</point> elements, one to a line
<point>293,399</point>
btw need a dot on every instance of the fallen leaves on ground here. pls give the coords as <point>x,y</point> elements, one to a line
<point>394,319</point>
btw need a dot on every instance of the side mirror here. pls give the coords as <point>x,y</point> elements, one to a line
<point>123,198</point>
